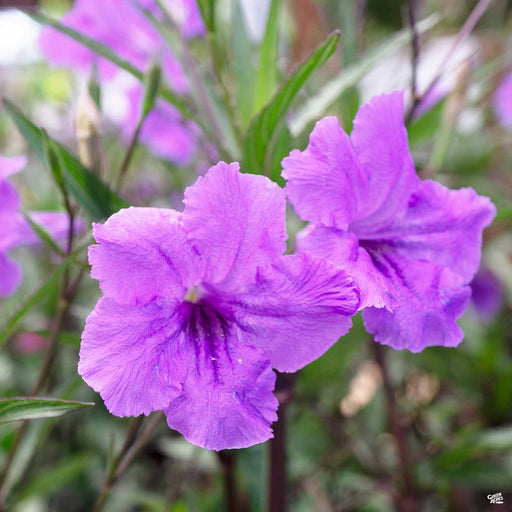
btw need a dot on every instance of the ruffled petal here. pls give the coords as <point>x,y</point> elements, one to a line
<point>341,248</point>
<point>430,299</point>
<point>380,140</point>
<point>297,309</point>
<point>10,275</point>
<point>237,221</point>
<point>143,253</point>
<point>226,399</point>
<point>442,225</point>
<point>325,181</point>
<point>124,356</point>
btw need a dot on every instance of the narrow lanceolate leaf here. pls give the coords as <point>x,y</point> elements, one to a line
<point>15,409</point>
<point>316,106</point>
<point>263,129</point>
<point>266,75</point>
<point>43,235</point>
<point>109,54</point>
<point>89,191</point>
<point>243,64</point>
<point>207,8</point>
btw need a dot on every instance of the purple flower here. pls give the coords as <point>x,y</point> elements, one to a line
<point>503,101</point>
<point>487,294</point>
<point>210,306</point>
<point>411,245</point>
<point>123,27</point>
<point>14,229</point>
<point>187,16</point>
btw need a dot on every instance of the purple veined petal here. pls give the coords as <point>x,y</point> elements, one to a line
<point>11,165</point>
<point>502,101</point>
<point>296,310</point>
<point>441,225</point>
<point>325,181</point>
<point>124,355</point>
<point>164,131</point>
<point>143,253</point>
<point>430,299</point>
<point>226,399</point>
<point>237,221</point>
<point>380,140</point>
<point>10,275</point>
<point>341,248</point>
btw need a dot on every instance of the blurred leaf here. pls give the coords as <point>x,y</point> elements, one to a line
<point>109,54</point>
<point>207,8</point>
<point>52,479</point>
<point>266,74</point>
<point>90,192</point>
<point>504,214</point>
<point>43,235</point>
<point>15,409</point>
<point>497,439</point>
<point>264,126</point>
<point>315,106</point>
<point>244,66</point>
<point>426,127</point>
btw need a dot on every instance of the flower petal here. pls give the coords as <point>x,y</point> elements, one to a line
<point>124,356</point>
<point>237,221</point>
<point>430,299</point>
<point>11,165</point>
<point>341,248</point>
<point>227,399</point>
<point>380,140</point>
<point>143,253</point>
<point>325,181</point>
<point>442,225</point>
<point>10,275</point>
<point>296,310</point>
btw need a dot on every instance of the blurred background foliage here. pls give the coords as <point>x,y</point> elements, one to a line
<point>453,406</point>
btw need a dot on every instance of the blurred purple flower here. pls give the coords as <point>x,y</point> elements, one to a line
<point>486,294</point>
<point>15,230</point>
<point>503,101</point>
<point>412,246</point>
<point>124,28</point>
<point>211,306</point>
<point>187,16</point>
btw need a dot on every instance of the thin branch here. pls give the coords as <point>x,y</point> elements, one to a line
<point>415,47</point>
<point>466,29</point>
<point>129,153</point>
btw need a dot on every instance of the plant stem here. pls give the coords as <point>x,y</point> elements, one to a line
<point>131,447</point>
<point>406,501</point>
<point>227,461</point>
<point>277,475</point>
<point>464,32</point>
<point>415,48</point>
<point>129,153</point>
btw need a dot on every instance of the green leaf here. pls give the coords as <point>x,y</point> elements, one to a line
<point>207,8</point>
<point>89,191</point>
<point>264,126</point>
<point>243,66</point>
<point>43,235</point>
<point>266,74</point>
<point>316,106</point>
<point>16,409</point>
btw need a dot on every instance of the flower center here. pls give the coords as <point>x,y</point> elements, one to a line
<point>194,294</point>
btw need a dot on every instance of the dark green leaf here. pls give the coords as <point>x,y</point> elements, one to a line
<point>263,128</point>
<point>89,191</point>
<point>43,235</point>
<point>207,8</point>
<point>15,409</point>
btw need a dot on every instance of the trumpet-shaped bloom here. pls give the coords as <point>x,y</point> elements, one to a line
<point>412,246</point>
<point>14,229</point>
<point>199,306</point>
<point>123,27</point>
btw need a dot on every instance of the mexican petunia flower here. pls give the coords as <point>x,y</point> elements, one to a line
<point>15,231</point>
<point>199,306</point>
<point>412,246</point>
<point>123,27</point>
